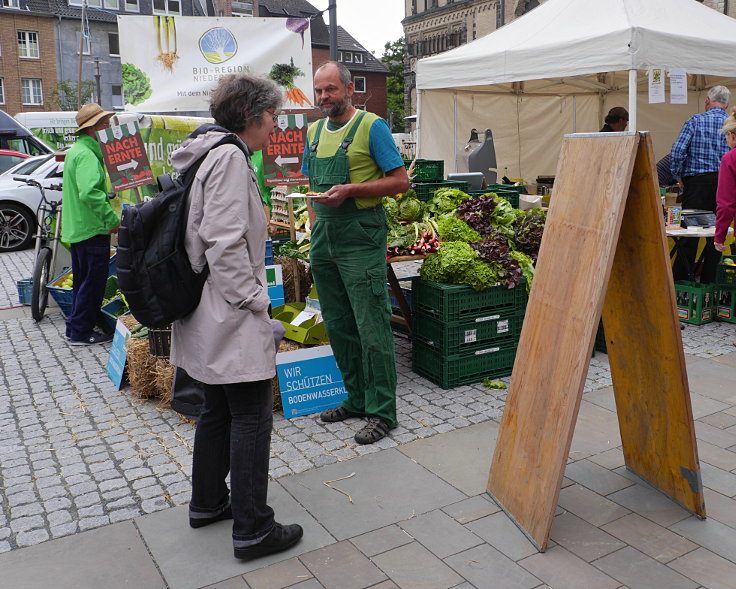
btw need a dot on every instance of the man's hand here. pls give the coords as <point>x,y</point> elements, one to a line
<point>719,246</point>
<point>335,196</point>
<point>681,184</point>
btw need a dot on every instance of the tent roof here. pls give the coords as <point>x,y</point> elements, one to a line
<point>563,38</point>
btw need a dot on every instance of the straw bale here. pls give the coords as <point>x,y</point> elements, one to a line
<point>141,368</point>
<point>164,372</point>
<point>290,267</point>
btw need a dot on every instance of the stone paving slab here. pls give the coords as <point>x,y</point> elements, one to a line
<point>387,487</point>
<point>111,557</point>
<point>179,550</point>
<point>462,457</point>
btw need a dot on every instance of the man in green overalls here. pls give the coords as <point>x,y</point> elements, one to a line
<point>351,157</point>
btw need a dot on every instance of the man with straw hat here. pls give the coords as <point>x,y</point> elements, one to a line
<point>87,222</point>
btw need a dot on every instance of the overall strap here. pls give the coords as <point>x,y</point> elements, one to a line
<point>317,133</point>
<point>352,131</point>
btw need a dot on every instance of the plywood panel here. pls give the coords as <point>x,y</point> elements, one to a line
<point>559,328</point>
<point>645,348</point>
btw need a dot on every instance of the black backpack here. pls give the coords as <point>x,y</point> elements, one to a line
<point>154,272</point>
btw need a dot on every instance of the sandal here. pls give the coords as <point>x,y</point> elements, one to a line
<point>375,430</point>
<point>337,414</point>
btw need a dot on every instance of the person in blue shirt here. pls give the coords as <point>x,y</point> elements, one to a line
<point>351,157</point>
<point>694,162</point>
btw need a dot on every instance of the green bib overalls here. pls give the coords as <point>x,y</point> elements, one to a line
<point>348,259</point>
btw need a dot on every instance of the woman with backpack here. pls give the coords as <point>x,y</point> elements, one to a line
<point>227,343</point>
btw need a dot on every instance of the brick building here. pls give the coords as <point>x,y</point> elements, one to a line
<point>27,56</point>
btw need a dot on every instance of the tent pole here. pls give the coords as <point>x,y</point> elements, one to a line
<point>632,100</point>
<point>574,115</point>
<point>418,151</point>
<point>454,126</point>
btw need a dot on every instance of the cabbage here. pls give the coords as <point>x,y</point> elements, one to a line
<point>411,209</point>
<point>392,209</point>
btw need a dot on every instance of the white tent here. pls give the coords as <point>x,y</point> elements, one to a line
<point>559,68</point>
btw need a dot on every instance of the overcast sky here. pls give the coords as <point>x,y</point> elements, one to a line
<point>371,22</point>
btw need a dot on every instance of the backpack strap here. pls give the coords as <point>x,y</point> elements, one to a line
<point>188,179</point>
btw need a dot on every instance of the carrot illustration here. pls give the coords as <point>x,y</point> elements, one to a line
<point>284,74</point>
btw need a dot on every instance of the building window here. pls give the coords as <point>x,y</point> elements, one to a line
<point>111,4</point>
<point>132,6</point>
<point>339,56</point>
<point>11,4</point>
<point>31,91</point>
<point>347,57</point>
<point>170,7</point>
<point>28,44</point>
<point>358,58</point>
<point>113,42</point>
<point>86,46</point>
<point>90,3</point>
<point>359,83</point>
<point>117,96</point>
<point>242,8</point>
<point>2,91</point>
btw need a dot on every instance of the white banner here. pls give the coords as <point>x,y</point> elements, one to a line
<point>173,63</point>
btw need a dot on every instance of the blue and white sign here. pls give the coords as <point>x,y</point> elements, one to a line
<point>275,281</point>
<point>310,381</point>
<point>118,354</point>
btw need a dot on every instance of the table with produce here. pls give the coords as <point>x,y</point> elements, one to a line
<point>466,306</point>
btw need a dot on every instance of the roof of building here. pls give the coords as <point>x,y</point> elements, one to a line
<point>346,42</point>
<point>63,9</point>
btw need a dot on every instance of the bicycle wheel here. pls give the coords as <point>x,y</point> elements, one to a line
<point>39,292</point>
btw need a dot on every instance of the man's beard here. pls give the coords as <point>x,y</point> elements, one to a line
<point>338,109</point>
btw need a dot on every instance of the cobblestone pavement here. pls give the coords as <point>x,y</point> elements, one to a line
<point>76,453</point>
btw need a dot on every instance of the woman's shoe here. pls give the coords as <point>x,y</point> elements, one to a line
<point>197,520</point>
<point>278,539</point>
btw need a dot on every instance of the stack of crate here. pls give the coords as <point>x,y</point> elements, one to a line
<point>461,336</point>
<point>695,302</point>
<point>725,294</point>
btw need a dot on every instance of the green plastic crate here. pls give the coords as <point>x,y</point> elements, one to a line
<point>456,302</point>
<point>510,195</point>
<point>427,170</point>
<point>493,361</point>
<point>726,273</point>
<point>726,304</point>
<point>695,302</point>
<point>461,337</point>
<point>425,190</point>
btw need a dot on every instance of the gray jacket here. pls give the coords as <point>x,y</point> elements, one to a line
<point>228,338</point>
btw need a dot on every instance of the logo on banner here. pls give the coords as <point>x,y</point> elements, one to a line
<point>218,45</point>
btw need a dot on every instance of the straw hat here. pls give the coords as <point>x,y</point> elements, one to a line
<point>89,115</point>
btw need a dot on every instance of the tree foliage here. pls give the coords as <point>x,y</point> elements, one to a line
<point>393,59</point>
<point>64,96</point>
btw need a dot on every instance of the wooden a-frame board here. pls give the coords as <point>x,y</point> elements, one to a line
<point>604,250</point>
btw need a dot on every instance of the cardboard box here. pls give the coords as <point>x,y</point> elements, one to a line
<point>673,217</point>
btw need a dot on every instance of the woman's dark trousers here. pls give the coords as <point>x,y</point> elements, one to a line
<point>234,435</point>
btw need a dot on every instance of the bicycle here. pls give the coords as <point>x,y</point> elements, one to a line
<point>48,223</point>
